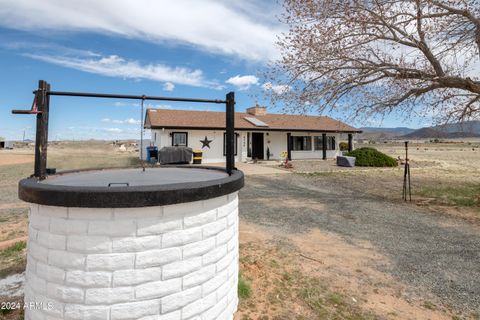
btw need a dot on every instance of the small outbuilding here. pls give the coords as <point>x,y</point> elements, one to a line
<point>259,135</point>
<point>6,144</point>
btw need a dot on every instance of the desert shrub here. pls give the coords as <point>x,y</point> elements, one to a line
<point>343,146</point>
<point>370,157</point>
<point>244,288</point>
<point>13,249</point>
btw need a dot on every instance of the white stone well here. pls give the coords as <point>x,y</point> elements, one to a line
<point>159,244</point>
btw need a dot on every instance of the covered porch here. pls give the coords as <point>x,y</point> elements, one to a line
<point>277,145</point>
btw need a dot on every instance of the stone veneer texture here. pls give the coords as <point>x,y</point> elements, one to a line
<point>170,262</point>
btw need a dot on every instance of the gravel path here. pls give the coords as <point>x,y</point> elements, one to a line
<point>430,252</point>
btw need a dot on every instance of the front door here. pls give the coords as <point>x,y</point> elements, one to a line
<point>257,145</point>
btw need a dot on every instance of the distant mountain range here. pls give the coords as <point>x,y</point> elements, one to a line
<point>448,131</point>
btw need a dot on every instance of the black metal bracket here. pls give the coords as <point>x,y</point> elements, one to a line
<point>33,109</point>
<point>41,106</point>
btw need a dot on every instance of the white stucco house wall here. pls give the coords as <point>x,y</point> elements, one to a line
<point>257,134</point>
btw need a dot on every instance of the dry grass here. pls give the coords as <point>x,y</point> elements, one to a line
<point>276,284</point>
<point>444,176</point>
<point>18,164</point>
<point>281,289</point>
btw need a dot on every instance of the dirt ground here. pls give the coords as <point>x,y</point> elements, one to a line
<point>324,242</point>
<point>18,163</point>
<point>389,259</point>
<point>14,158</point>
<point>324,260</point>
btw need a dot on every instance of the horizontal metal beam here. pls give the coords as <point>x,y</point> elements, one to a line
<point>25,112</point>
<point>127,96</point>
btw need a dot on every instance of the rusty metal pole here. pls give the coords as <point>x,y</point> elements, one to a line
<point>41,138</point>
<point>230,132</point>
<point>407,189</point>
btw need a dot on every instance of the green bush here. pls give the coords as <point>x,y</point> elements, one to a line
<point>370,157</point>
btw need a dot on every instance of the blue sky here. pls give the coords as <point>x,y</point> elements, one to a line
<point>185,48</point>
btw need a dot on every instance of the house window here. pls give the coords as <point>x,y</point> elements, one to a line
<point>331,143</point>
<point>318,143</point>
<point>301,143</point>
<point>235,143</point>
<point>179,139</point>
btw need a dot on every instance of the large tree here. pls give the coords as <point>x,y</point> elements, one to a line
<point>374,57</point>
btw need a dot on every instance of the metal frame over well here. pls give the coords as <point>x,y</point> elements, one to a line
<point>41,106</point>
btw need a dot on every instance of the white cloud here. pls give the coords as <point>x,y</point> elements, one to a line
<point>278,88</point>
<point>126,121</point>
<point>48,47</point>
<point>163,106</point>
<point>132,121</point>
<point>168,86</point>
<point>210,25</point>
<point>108,133</point>
<point>113,130</point>
<point>112,120</point>
<point>243,82</point>
<point>115,66</point>
<point>120,104</point>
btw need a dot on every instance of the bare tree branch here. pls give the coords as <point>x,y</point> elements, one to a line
<point>375,57</point>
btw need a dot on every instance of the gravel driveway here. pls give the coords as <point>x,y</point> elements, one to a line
<point>433,253</point>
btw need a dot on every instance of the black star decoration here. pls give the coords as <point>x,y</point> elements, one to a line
<point>205,142</point>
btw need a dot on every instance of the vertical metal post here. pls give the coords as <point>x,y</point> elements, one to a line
<point>350,142</point>
<point>289,146</point>
<point>141,134</point>
<point>41,138</point>
<point>407,189</point>
<point>324,145</point>
<point>230,130</point>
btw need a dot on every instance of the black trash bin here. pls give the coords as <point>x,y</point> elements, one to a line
<point>197,157</point>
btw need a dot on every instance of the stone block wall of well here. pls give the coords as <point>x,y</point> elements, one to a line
<point>171,262</point>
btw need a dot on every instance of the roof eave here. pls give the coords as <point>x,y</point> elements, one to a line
<point>153,127</point>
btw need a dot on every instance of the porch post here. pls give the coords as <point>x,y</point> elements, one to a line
<point>350,142</point>
<point>324,145</point>
<point>289,146</point>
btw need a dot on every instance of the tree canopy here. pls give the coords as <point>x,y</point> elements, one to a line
<point>374,57</point>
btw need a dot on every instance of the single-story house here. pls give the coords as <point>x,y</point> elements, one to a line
<point>259,135</point>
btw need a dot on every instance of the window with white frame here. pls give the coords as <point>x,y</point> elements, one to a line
<point>179,139</point>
